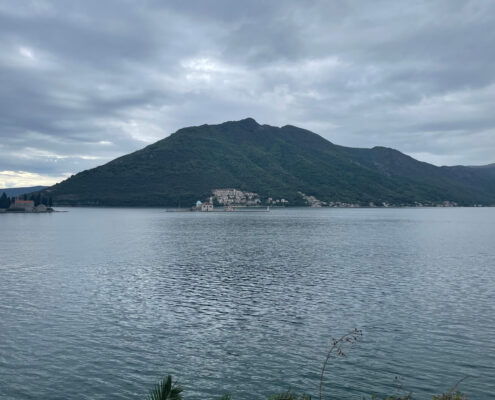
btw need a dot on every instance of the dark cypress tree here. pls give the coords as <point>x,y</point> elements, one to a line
<point>4,201</point>
<point>25,197</point>
<point>50,201</point>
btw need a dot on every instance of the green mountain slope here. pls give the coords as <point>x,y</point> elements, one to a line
<point>273,162</point>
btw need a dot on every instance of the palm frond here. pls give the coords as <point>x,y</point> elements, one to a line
<point>166,390</point>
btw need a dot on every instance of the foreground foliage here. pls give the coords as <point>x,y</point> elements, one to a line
<point>445,396</point>
<point>289,396</point>
<point>166,390</point>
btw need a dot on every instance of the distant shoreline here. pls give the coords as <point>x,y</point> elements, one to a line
<point>7,211</point>
<point>180,209</point>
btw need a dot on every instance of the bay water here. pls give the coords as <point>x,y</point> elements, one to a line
<point>100,303</point>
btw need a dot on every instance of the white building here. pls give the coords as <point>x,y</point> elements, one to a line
<point>203,206</point>
<point>206,207</point>
<point>232,196</point>
<point>40,208</point>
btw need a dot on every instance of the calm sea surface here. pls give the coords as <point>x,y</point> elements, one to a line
<point>101,303</point>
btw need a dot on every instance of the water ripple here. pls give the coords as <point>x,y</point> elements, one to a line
<point>100,303</point>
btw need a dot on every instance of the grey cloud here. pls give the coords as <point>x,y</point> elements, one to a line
<point>82,83</point>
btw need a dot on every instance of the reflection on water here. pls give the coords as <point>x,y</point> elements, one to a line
<point>100,303</point>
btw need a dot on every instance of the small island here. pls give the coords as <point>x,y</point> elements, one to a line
<point>35,204</point>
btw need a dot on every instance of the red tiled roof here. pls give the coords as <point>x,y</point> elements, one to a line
<point>25,202</point>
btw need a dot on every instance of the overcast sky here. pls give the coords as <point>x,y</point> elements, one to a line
<point>82,82</point>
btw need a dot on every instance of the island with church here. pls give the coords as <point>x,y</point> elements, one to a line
<point>23,204</point>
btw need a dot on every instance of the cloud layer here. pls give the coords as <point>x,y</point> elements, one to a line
<point>84,82</point>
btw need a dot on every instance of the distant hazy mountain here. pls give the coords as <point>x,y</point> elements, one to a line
<point>12,192</point>
<point>273,162</point>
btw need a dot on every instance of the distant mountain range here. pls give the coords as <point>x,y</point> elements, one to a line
<point>12,192</point>
<point>287,162</point>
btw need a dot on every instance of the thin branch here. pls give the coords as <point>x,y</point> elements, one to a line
<point>458,383</point>
<point>349,337</point>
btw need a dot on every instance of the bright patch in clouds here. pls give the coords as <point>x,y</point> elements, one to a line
<point>26,52</point>
<point>13,179</point>
<point>201,64</point>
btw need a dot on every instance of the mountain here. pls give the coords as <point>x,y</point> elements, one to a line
<point>12,192</point>
<point>273,162</point>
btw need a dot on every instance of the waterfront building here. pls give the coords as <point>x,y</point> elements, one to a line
<point>22,205</point>
<point>207,207</point>
<point>40,208</point>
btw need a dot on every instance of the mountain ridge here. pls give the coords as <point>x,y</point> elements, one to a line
<point>19,191</point>
<point>280,162</point>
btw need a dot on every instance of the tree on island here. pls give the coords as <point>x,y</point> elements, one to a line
<point>37,199</point>
<point>4,201</point>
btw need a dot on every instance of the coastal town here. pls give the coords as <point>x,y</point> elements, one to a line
<point>231,199</point>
